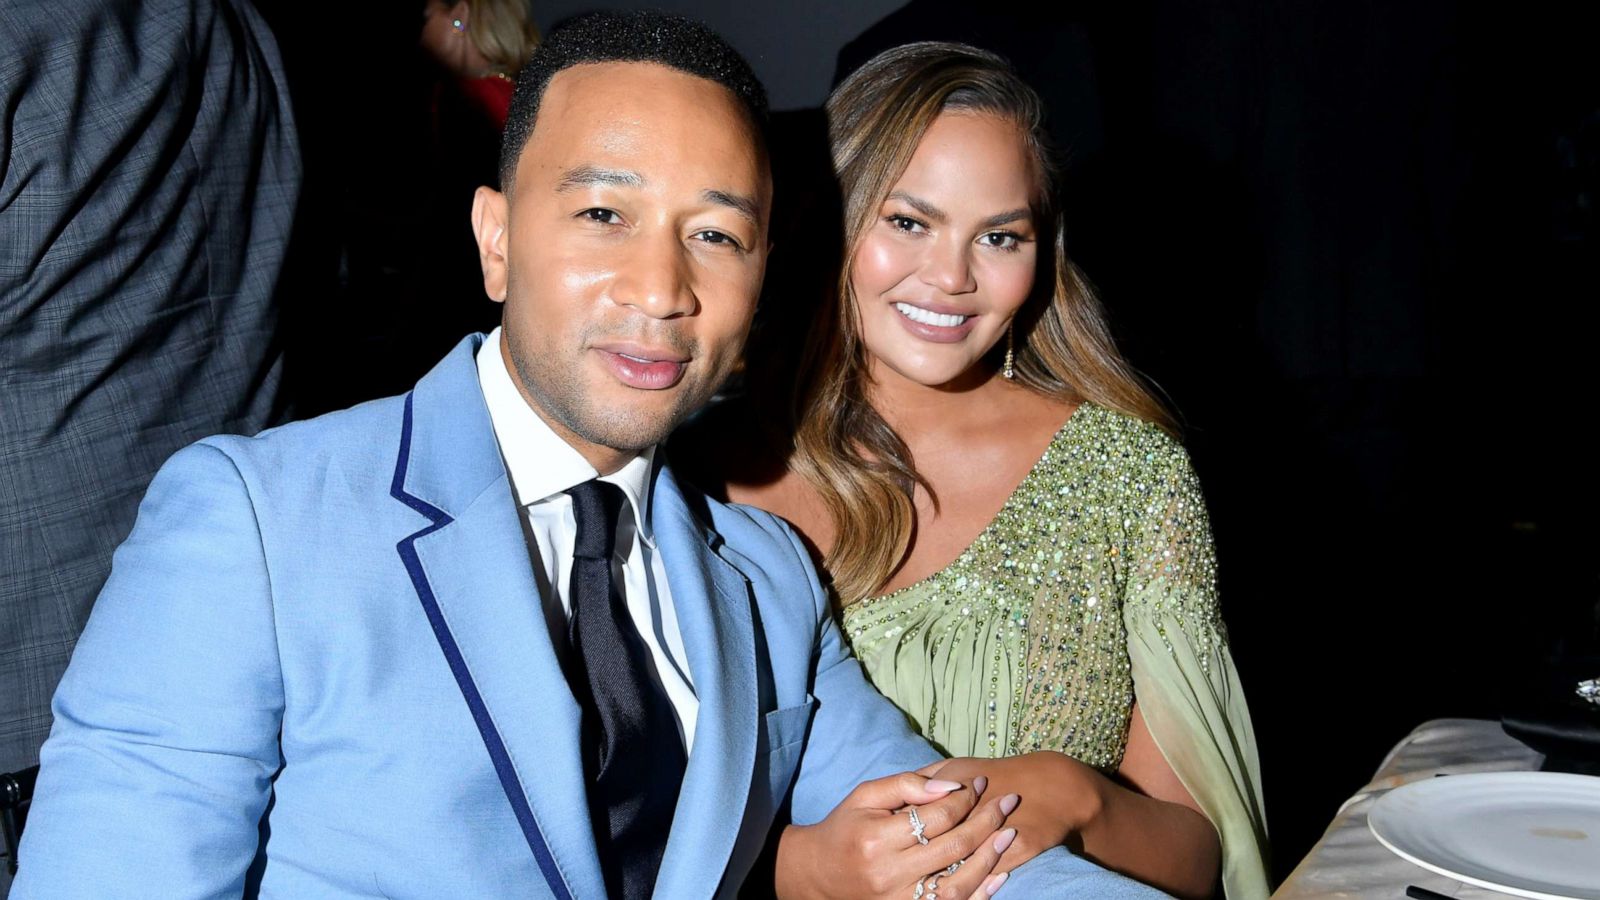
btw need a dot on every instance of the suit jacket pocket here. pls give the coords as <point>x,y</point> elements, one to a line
<point>778,749</point>
<point>784,727</point>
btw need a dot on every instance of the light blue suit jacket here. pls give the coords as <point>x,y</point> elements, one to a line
<point>320,669</point>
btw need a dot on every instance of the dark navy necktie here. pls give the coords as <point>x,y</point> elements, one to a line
<point>633,757</point>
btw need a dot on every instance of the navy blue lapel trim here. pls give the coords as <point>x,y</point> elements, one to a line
<point>458,666</point>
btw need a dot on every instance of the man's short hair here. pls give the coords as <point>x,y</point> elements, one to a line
<point>673,41</point>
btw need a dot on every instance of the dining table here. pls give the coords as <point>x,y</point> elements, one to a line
<point>1348,861</point>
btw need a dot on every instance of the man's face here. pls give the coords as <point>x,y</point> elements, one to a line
<point>629,252</point>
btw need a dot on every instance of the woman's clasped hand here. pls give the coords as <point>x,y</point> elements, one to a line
<point>899,837</point>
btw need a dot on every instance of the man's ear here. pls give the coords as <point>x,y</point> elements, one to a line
<point>490,216</point>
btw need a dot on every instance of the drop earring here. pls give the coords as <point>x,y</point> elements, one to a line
<point>1011,346</point>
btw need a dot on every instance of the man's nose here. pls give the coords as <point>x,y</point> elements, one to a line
<point>653,277</point>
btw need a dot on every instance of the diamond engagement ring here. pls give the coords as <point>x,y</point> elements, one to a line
<point>919,892</point>
<point>916,832</point>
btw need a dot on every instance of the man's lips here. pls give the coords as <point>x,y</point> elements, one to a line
<point>648,369</point>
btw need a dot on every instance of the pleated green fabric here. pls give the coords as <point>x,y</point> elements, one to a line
<point>1092,588</point>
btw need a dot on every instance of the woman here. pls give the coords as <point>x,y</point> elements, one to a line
<point>483,44</point>
<point>1018,544</point>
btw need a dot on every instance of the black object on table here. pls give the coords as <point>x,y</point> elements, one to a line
<point>16,791</point>
<point>1547,714</point>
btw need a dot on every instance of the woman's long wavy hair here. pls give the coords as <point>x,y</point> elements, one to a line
<point>846,451</point>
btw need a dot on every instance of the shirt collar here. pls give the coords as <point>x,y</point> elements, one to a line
<point>539,463</point>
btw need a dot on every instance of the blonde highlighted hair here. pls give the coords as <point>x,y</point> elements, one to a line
<point>843,448</point>
<point>503,31</point>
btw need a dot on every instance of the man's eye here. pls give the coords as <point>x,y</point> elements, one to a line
<point>603,216</point>
<point>717,237</point>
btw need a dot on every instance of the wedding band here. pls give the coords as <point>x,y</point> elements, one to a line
<point>916,832</point>
<point>933,880</point>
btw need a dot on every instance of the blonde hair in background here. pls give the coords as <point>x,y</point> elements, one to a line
<point>503,31</point>
<point>843,448</point>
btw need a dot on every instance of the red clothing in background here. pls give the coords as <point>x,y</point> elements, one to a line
<point>490,95</point>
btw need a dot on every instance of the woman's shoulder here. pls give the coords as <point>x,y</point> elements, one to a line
<point>1124,444</point>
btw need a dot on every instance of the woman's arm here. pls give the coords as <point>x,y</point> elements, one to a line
<point>1143,824</point>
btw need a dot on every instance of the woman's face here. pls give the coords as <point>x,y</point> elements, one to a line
<point>949,261</point>
<point>440,38</point>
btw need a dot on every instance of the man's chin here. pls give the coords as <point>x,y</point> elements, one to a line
<point>633,427</point>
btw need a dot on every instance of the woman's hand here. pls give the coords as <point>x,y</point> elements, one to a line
<point>1060,798</point>
<point>1159,837</point>
<point>866,847</point>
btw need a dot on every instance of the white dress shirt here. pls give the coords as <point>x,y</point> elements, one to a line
<point>541,466</point>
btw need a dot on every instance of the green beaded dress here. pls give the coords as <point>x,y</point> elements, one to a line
<point>1093,587</point>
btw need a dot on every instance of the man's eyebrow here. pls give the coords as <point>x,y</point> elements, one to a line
<point>739,203</point>
<point>594,176</point>
<point>1007,217</point>
<point>920,205</point>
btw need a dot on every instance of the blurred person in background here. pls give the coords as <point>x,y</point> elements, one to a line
<point>149,173</point>
<point>481,44</point>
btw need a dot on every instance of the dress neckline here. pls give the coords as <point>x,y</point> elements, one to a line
<point>1033,473</point>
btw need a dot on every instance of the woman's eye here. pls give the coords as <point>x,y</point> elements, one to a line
<point>903,223</point>
<point>602,216</point>
<point>1002,240</point>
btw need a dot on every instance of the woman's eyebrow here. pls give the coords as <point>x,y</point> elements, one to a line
<point>1006,218</point>
<point>920,205</point>
<point>938,215</point>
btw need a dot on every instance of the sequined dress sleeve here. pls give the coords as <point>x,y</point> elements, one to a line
<point>1184,678</point>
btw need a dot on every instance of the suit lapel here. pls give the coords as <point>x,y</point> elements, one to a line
<point>470,568</point>
<point>472,576</point>
<point>712,601</point>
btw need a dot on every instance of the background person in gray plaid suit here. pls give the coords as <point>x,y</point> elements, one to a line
<point>148,179</point>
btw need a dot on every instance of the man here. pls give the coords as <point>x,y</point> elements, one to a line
<point>322,666</point>
<point>148,175</point>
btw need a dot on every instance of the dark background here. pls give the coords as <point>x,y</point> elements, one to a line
<point>1354,242</point>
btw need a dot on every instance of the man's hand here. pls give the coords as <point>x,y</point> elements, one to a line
<point>865,848</point>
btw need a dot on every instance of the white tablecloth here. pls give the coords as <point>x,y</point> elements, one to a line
<point>1349,862</point>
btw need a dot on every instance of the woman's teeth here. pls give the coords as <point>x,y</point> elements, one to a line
<point>939,320</point>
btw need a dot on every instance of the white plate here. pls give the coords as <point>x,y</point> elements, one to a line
<point>1532,834</point>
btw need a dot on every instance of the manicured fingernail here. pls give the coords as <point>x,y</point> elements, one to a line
<point>1004,840</point>
<point>940,786</point>
<point>978,784</point>
<point>1008,803</point>
<point>994,882</point>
